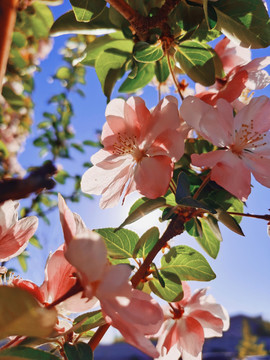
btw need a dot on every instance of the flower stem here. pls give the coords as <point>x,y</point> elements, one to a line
<point>174,78</point>
<point>202,186</point>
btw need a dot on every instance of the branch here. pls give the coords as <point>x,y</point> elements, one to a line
<point>175,227</point>
<point>8,12</point>
<point>39,179</point>
<point>142,24</point>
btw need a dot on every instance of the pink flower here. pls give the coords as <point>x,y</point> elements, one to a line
<point>241,74</point>
<point>14,233</point>
<point>188,322</point>
<point>139,147</point>
<point>59,278</point>
<point>243,139</point>
<point>133,313</point>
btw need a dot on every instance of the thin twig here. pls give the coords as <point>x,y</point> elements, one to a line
<point>202,186</point>
<point>174,78</point>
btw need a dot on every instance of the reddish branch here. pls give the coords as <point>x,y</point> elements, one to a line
<point>141,24</point>
<point>36,181</point>
<point>8,12</point>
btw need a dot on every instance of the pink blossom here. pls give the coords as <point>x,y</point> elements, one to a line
<point>133,313</point>
<point>139,147</point>
<point>188,322</point>
<point>59,278</point>
<point>241,73</point>
<point>243,141</point>
<point>14,233</point>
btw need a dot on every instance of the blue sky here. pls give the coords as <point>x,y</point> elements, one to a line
<point>242,267</point>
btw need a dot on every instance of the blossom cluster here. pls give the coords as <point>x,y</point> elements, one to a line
<point>141,149</point>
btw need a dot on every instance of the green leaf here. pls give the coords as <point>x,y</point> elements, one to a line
<point>21,314</point>
<point>143,208</point>
<point>162,70</point>
<point>229,221</point>
<point>78,351</point>
<point>196,59</point>
<point>208,236</point>
<point>246,20</point>
<point>26,353</point>
<point>111,59</point>
<point>120,244</point>
<point>185,17</point>
<point>61,176</point>
<point>182,189</point>
<point>67,24</point>
<point>18,39</point>
<point>22,258</point>
<point>173,289</point>
<point>203,34</point>
<point>146,243</point>
<point>187,264</point>
<point>85,10</point>
<point>115,40</point>
<point>146,53</point>
<point>145,74</point>
<point>4,153</point>
<point>92,320</point>
<point>41,20</point>
<point>35,242</point>
<point>63,73</point>
<point>189,201</point>
<point>14,100</point>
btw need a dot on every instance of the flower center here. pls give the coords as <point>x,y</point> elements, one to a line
<point>246,139</point>
<point>177,310</point>
<point>127,144</point>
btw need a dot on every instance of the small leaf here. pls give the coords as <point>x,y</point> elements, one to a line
<point>120,244</point>
<point>146,53</point>
<point>146,243</point>
<point>78,351</point>
<point>187,264</point>
<point>115,40</point>
<point>162,70</point>
<point>173,289</point>
<point>228,221</point>
<point>196,59</point>
<point>21,314</point>
<point>210,236</point>
<point>26,353</point>
<point>143,209</point>
<point>35,242</point>
<point>63,73</point>
<point>182,189</point>
<point>189,201</point>
<point>85,10</point>
<point>67,24</point>
<point>145,74</point>
<point>22,258</point>
<point>92,320</point>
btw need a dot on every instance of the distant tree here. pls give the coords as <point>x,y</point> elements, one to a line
<point>249,344</point>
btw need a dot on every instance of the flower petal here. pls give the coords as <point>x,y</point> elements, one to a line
<point>14,241</point>
<point>78,253</point>
<point>228,171</point>
<point>148,171</point>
